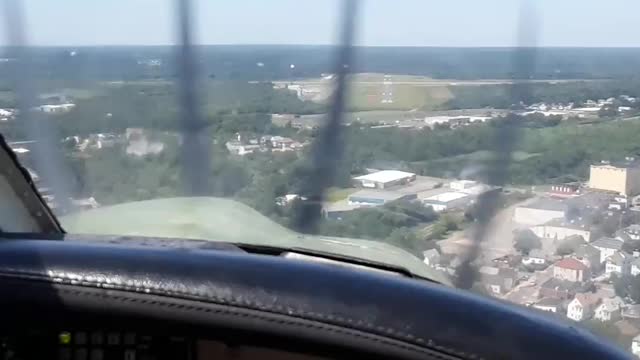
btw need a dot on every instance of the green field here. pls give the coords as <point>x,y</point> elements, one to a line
<point>336,194</point>
<point>366,96</point>
<point>484,155</point>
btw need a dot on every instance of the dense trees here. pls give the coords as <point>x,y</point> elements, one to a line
<point>569,245</point>
<point>230,107</point>
<point>525,240</point>
<point>627,286</point>
<point>502,97</point>
<point>541,155</point>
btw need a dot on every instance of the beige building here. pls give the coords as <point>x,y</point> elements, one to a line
<point>539,212</point>
<point>623,178</point>
<point>559,229</point>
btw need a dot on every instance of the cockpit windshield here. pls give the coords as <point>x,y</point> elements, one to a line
<point>490,145</point>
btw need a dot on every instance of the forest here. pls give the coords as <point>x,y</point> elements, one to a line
<point>233,62</point>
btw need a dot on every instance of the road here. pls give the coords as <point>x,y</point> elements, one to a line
<point>498,241</point>
<point>427,82</point>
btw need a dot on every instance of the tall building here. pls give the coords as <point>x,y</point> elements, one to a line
<point>623,177</point>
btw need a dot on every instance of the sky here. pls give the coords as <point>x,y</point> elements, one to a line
<point>456,23</point>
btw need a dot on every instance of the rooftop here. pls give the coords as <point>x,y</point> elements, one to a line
<point>612,304</point>
<point>591,200</point>
<point>431,254</point>
<point>608,243</point>
<point>569,263</point>
<point>628,162</point>
<point>634,228</point>
<point>546,204</point>
<point>446,197</point>
<point>587,299</point>
<point>571,224</point>
<point>538,253</point>
<point>385,176</point>
<point>339,206</point>
<point>557,284</point>
<point>549,302</point>
<point>617,258</point>
<point>376,194</point>
<point>585,250</point>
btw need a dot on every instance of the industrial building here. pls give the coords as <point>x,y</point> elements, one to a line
<point>622,177</point>
<point>377,197</point>
<point>362,198</point>
<point>447,201</point>
<point>460,185</point>
<point>384,179</point>
<point>539,212</point>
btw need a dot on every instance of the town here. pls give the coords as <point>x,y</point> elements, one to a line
<point>571,250</point>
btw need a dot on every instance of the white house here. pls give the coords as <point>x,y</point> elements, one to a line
<point>56,108</point>
<point>607,246</point>
<point>582,306</point>
<point>618,263</point>
<point>635,345</point>
<point>431,257</point>
<point>535,257</point>
<point>609,309</point>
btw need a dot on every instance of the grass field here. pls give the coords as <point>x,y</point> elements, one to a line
<point>336,194</point>
<point>367,96</point>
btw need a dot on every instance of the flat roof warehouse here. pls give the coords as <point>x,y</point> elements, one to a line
<point>385,176</point>
<point>445,197</point>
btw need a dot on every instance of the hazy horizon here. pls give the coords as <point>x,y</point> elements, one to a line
<point>385,23</point>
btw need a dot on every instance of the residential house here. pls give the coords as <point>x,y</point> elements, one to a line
<point>561,289</point>
<point>560,229</point>
<point>498,280</point>
<point>632,231</point>
<point>634,266</point>
<point>607,246</point>
<point>631,312</point>
<point>618,263</point>
<point>549,304</point>
<point>609,309</point>
<point>571,270</point>
<point>635,345</point>
<point>535,257</point>
<point>582,306</point>
<point>589,255</point>
<point>237,148</point>
<point>431,257</point>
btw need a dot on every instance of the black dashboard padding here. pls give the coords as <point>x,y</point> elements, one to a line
<point>374,312</point>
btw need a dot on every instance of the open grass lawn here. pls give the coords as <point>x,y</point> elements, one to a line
<point>365,96</point>
<point>336,194</point>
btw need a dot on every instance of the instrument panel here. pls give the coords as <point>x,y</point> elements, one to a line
<point>109,344</point>
<point>95,345</point>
